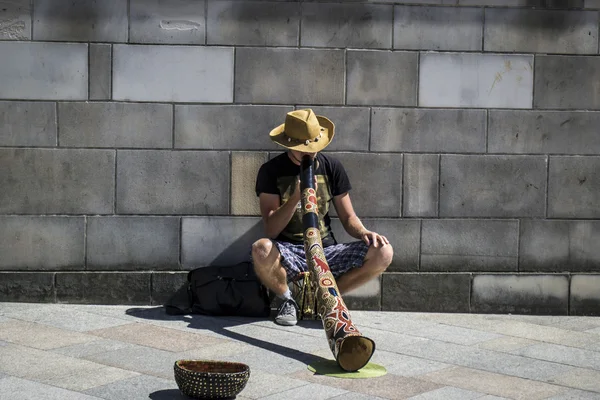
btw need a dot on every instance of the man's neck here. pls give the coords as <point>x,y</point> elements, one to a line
<point>293,158</point>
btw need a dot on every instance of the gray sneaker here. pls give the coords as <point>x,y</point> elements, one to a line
<point>287,314</point>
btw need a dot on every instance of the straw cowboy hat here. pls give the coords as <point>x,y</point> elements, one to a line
<point>304,131</point>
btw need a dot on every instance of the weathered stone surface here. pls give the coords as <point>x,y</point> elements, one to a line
<point>227,127</point>
<point>296,76</point>
<point>129,243</point>
<point>426,292</point>
<point>103,287</point>
<point>574,187</point>
<point>15,20</point>
<point>171,21</point>
<point>115,124</point>
<point>252,23</point>
<point>492,186</point>
<point>218,240</point>
<point>351,127</point>
<point>173,73</point>
<point>41,243</point>
<point>369,200</point>
<point>469,245</point>
<point>438,28</point>
<point>100,71</point>
<point>27,286</point>
<point>167,182</point>
<point>404,236</point>
<point>421,183</point>
<point>27,123</point>
<point>560,4</point>
<point>244,170</point>
<point>56,181</point>
<point>44,71</point>
<point>382,78</point>
<point>528,294</point>
<point>476,80</point>
<point>80,21</point>
<point>166,284</point>
<point>541,31</point>
<point>556,86</point>
<point>593,4</point>
<point>421,130</point>
<point>544,132</point>
<point>347,25</point>
<point>556,246</point>
<point>366,297</point>
<point>585,297</point>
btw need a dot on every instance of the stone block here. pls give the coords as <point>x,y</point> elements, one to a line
<point>366,297</point>
<point>171,21</point>
<point>244,170</point>
<point>166,284</point>
<point>540,31</point>
<point>173,73</point>
<point>252,23</point>
<point>492,186</point>
<point>118,243</point>
<point>426,292</point>
<point>368,198</point>
<point>351,127</point>
<point>585,297</point>
<point>218,240</point>
<point>574,187</point>
<point>296,76</point>
<point>521,294</point>
<point>558,246</point>
<point>476,80</point>
<point>551,4</point>
<point>57,181</point>
<point>592,4</point>
<point>27,123</point>
<point>27,287</point>
<point>543,132</point>
<point>347,25</point>
<point>167,182</point>
<point>80,21</point>
<point>44,71</point>
<point>15,20</point>
<point>557,86</point>
<point>100,71</point>
<point>421,185</point>
<point>438,28</point>
<point>230,127</point>
<point>100,124</point>
<point>103,287</point>
<point>469,245</point>
<point>382,78</point>
<point>422,130</point>
<point>404,236</point>
<point>41,243</point>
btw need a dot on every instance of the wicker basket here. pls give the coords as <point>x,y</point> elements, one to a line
<point>203,379</point>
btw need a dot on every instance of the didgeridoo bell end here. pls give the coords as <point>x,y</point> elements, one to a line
<point>355,352</point>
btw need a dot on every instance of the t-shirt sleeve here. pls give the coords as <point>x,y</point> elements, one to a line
<point>265,181</point>
<point>340,183</point>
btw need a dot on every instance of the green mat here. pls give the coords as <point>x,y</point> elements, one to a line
<point>331,368</point>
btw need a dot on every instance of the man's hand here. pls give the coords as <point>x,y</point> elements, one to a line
<point>374,238</point>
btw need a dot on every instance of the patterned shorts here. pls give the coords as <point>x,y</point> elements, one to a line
<point>341,257</point>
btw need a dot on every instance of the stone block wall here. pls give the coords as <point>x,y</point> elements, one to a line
<point>131,132</point>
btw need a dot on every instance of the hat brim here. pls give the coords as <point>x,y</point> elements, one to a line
<point>278,136</point>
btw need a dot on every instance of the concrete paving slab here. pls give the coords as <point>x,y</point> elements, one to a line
<point>396,322</point>
<point>263,384</point>
<point>540,370</point>
<point>575,395</point>
<point>580,378</point>
<point>309,391</point>
<point>454,334</point>
<point>355,396</point>
<point>448,393</point>
<point>15,388</point>
<point>491,383</point>
<point>138,388</point>
<point>506,344</point>
<point>391,341</point>
<point>398,364</point>
<point>575,324</point>
<point>279,361</point>
<point>85,349</point>
<point>40,336</point>
<point>216,351</point>
<point>562,354</point>
<point>157,337</point>
<point>490,397</point>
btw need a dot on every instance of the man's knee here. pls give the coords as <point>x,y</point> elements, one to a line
<point>261,249</point>
<point>382,257</point>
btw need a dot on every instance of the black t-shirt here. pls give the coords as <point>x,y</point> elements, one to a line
<point>278,176</point>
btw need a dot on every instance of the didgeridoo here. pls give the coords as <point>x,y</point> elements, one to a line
<point>351,349</point>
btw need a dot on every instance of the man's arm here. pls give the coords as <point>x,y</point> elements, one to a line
<point>275,215</point>
<point>352,223</point>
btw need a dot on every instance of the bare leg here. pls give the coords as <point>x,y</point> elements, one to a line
<point>268,267</point>
<point>376,261</point>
